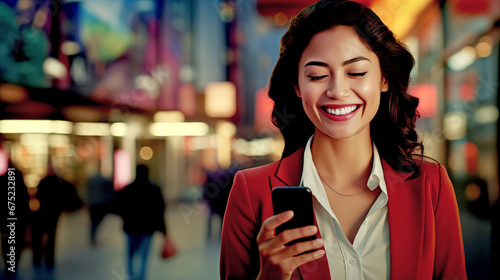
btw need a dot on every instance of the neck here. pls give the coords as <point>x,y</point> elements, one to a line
<point>343,161</point>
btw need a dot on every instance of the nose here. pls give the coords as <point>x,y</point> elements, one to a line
<point>338,87</point>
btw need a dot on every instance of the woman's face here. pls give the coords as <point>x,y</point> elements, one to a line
<point>340,83</point>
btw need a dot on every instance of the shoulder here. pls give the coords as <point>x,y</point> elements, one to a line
<point>437,181</point>
<point>434,171</point>
<point>155,188</point>
<point>430,172</point>
<point>431,166</point>
<point>263,171</point>
<point>125,190</point>
<point>256,177</point>
<point>255,181</point>
<point>49,182</point>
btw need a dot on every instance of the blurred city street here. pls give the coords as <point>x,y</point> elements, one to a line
<point>76,259</point>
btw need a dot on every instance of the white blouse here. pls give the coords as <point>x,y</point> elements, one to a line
<point>369,255</point>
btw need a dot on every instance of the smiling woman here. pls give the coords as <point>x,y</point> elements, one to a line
<point>381,210</point>
<point>340,84</point>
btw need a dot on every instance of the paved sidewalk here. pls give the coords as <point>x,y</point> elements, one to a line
<point>76,259</point>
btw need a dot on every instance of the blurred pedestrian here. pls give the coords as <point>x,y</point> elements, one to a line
<point>100,194</point>
<point>495,241</point>
<point>54,195</point>
<point>216,190</point>
<point>142,207</point>
<point>14,201</point>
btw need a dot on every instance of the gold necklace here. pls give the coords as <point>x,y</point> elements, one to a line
<point>321,176</point>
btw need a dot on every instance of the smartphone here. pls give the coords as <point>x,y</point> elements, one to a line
<point>299,200</point>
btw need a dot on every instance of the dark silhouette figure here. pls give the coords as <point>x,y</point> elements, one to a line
<point>14,201</point>
<point>142,207</point>
<point>55,195</point>
<point>479,207</point>
<point>216,191</point>
<point>100,194</point>
<point>495,241</point>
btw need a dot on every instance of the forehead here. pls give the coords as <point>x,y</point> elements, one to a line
<point>340,42</point>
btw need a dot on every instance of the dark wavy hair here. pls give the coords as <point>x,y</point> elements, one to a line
<point>393,127</point>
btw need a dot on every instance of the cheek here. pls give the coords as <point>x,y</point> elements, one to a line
<point>369,91</point>
<point>314,90</point>
<point>309,101</point>
<point>307,95</point>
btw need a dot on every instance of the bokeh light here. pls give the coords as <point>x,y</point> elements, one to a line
<point>146,153</point>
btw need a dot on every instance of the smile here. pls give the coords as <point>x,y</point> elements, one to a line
<point>340,111</point>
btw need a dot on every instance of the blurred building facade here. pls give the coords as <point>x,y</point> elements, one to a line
<point>180,86</point>
<point>115,83</point>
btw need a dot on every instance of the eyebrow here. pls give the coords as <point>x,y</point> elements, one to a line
<point>347,62</point>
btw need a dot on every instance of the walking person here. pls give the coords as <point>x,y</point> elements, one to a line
<point>142,207</point>
<point>14,215</point>
<point>100,194</point>
<point>54,195</point>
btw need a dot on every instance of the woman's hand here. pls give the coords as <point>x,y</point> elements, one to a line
<point>278,261</point>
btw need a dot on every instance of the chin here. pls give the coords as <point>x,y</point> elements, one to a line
<point>338,134</point>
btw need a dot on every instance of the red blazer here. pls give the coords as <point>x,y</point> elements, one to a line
<point>424,226</point>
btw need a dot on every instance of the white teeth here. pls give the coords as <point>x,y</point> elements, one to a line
<point>341,111</point>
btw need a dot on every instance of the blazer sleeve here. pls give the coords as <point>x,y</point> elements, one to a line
<point>449,259</point>
<point>239,250</point>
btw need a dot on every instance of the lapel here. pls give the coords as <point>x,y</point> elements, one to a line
<point>289,170</point>
<point>289,173</point>
<point>406,222</point>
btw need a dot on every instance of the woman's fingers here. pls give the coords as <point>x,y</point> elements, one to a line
<point>276,246</point>
<point>278,260</point>
<point>296,233</point>
<point>305,258</point>
<point>301,247</point>
<point>267,231</point>
<point>294,256</point>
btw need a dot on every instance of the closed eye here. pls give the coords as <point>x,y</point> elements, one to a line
<point>361,74</point>
<point>316,78</point>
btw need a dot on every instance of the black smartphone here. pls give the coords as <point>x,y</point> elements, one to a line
<point>299,200</point>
